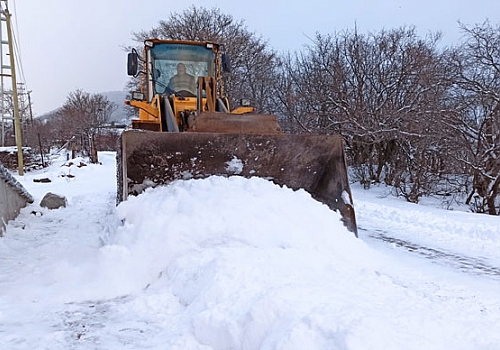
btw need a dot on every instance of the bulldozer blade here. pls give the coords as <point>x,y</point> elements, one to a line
<point>315,163</point>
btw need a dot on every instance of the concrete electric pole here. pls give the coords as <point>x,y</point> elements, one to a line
<point>17,119</point>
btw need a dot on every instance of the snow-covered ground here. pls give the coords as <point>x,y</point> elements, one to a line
<point>241,264</point>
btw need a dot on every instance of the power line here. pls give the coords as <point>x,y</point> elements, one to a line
<point>17,47</point>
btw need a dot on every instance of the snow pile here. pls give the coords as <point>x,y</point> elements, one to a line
<point>220,263</point>
<point>253,217</point>
<point>248,261</point>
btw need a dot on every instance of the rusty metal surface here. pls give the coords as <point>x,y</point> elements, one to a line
<point>313,162</point>
<point>216,122</point>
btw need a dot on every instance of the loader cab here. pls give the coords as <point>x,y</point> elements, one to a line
<point>173,67</point>
<point>179,80</point>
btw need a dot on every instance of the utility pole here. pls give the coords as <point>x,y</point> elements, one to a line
<point>17,118</point>
<point>3,67</point>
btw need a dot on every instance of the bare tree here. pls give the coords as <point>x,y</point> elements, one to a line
<point>82,117</point>
<point>251,58</point>
<point>383,93</point>
<point>477,98</point>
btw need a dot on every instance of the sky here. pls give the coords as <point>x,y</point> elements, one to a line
<point>68,45</point>
<point>241,264</point>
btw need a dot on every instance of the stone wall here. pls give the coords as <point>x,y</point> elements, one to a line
<point>13,197</point>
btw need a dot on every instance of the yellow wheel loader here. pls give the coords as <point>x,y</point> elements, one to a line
<point>186,129</point>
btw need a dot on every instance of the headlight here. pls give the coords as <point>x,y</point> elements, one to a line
<point>138,96</point>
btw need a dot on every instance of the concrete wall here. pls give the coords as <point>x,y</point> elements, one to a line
<point>13,197</point>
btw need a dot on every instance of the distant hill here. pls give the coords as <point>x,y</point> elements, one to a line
<point>118,97</point>
<point>119,116</point>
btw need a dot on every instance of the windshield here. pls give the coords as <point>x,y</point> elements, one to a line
<point>176,67</point>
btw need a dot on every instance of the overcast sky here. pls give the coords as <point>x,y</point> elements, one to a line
<point>68,44</point>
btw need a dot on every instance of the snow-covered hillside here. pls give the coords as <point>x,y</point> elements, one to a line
<point>241,264</point>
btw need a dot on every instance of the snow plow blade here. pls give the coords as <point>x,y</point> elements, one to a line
<point>315,163</point>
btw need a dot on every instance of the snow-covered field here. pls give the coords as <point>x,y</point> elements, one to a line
<point>242,264</point>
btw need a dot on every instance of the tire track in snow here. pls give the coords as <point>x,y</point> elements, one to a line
<point>467,264</point>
